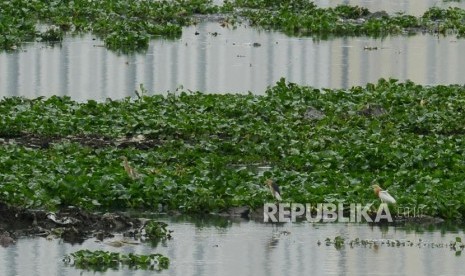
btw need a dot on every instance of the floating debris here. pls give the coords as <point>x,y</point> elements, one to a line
<point>6,239</point>
<point>370,48</point>
<point>63,220</point>
<point>120,243</point>
<point>340,242</point>
<point>373,111</point>
<point>314,114</point>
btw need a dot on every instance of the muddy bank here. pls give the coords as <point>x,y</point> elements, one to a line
<point>74,225</point>
<point>94,141</point>
<point>71,224</point>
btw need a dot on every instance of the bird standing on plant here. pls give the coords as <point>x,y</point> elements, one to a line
<point>132,173</point>
<point>383,195</point>
<point>274,188</point>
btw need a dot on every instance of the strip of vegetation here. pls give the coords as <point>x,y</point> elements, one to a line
<point>129,25</point>
<point>100,260</point>
<point>322,145</point>
<point>123,25</point>
<point>339,243</point>
<point>303,18</point>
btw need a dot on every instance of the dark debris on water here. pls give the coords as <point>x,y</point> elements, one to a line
<point>94,141</point>
<point>72,224</point>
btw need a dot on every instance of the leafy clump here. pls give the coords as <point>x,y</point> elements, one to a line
<point>299,17</point>
<point>128,26</point>
<point>457,246</point>
<point>123,25</point>
<point>100,260</point>
<point>338,242</point>
<point>155,230</point>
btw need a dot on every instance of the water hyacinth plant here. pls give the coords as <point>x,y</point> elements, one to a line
<point>339,243</point>
<point>156,232</point>
<point>303,18</point>
<point>128,26</point>
<point>197,152</point>
<point>100,260</point>
<point>123,25</point>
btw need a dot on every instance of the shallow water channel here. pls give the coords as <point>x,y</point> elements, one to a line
<point>219,246</point>
<point>236,60</point>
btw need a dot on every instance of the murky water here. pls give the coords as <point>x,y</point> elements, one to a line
<point>221,247</point>
<point>228,62</point>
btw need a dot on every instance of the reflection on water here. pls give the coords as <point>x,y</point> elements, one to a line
<point>228,62</point>
<point>222,247</point>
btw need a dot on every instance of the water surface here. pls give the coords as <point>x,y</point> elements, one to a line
<point>226,63</point>
<point>222,247</point>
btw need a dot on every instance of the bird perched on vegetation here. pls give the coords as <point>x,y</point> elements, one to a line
<point>132,173</point>
<point>274,188</point>
<point>383,195</point>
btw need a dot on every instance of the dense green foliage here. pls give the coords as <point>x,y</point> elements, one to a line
<point>406,136</point>
<point>302,17</point>
<point>129,25</point>
<point>103,260</point>
<point>156,230</point>
<point>123,25</point>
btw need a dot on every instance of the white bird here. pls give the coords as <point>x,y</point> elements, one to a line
<point>383,195</point>
<point>274,188</point>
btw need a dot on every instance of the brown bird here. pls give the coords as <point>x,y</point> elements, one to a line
<point>132,173</point>
<point>274,188</point>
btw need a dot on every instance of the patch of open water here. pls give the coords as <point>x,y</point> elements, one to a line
<point>226,63</point>
<point>223,247</point>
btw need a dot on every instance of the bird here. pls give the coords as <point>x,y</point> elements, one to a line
<point>132,173</point>
<point>274,188</point>
<point>383,195</point>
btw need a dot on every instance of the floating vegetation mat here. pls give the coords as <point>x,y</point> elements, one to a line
<point>100,260</point>
<point>192,152</point>
<point>128,26</point>
<point>339,242</point>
